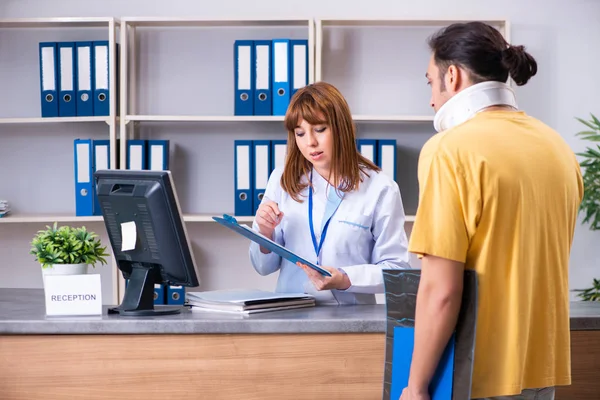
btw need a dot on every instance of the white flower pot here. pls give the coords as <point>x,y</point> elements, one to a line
<point>66,269</point>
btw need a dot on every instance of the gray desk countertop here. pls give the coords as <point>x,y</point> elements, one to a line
<point>22,311</point>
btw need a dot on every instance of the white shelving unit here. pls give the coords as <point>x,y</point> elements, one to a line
<point>134,121</point>
<point>323,23</point>
<point>58,29</point>
<point>68,218</point>
<point>127,119</point>
<point>202,118</point>
<point>54,120</point>
<point>128,77</point>
<point>111,24</point>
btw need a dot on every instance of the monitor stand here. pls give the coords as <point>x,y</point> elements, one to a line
<point>139,296</point>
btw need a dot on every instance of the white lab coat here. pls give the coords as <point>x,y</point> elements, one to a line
<point>365,235</point>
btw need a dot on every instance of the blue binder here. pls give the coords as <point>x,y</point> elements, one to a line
<point>67,74</point>
<point>368,149</point>
<point>299,64</point>
<point>263,100</point>
<point>386,156</point>
<point>231,223</point>
<point>101,160</point>
<point>101,88</point>
<point>244,60</point>
<point>278,154</point>
<point>136,155</point>
<point>281,76</point>
<point>243,177</point>
<point>262,170</point>
<point>441,383</point>
<point>85,74</point>
<point>49,79</point>
<point>84,188</point>
<point>159,294</point>
<point>158,155</point>
<point>175,295</point>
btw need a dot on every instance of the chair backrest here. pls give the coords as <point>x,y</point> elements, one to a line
<point>454,375</point>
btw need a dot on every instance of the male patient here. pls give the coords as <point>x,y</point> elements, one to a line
<point>499,194</point>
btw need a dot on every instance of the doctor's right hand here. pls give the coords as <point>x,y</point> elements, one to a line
<point>268,216</point>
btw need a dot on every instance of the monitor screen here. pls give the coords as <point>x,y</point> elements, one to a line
<point>147,235</point>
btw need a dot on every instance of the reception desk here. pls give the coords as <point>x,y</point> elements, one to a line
<point>329,352</point>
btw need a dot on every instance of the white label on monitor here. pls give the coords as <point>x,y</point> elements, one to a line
<point>128,236</point>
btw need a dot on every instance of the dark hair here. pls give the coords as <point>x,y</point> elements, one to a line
<point>483,52</point>
<point>322,103</point>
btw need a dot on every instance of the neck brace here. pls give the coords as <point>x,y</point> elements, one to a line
<point>468,102</point>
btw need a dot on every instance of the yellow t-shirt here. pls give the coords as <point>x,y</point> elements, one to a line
<point>501,193</point>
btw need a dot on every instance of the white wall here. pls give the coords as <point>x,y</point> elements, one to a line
<point>561,35</point>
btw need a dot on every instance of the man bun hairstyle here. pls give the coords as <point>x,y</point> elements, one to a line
<point>519,63</point>
<point>483,52</point>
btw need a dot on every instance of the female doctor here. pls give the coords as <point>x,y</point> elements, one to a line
<point>330,205</point>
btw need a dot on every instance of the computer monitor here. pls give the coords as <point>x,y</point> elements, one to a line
<point>148,236</point>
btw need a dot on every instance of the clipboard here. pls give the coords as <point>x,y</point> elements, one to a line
<point>231,223</point>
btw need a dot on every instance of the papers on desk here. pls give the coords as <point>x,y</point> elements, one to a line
<point>246,301</point>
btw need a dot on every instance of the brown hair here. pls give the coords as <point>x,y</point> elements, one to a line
<point>322,103</point>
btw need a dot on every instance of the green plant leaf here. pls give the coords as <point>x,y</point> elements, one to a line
<point>595,121</point>
<point>67,245</point>
<point>588,124</point>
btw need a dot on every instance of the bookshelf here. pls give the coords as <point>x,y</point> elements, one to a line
<point>16,219</point>
<point>70,219</point>
<point>199,121</point>
<point>54,120</point>
<point>175,81</point>
<point>40,149</point>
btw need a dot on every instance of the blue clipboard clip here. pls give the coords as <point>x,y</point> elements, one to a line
<point>232,223</point>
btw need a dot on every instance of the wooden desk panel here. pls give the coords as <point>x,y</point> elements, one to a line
<point>585,367</point>
<point>140,367</point>
<point>222,366</point>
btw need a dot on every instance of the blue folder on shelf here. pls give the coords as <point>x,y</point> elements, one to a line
<point>231,223</point>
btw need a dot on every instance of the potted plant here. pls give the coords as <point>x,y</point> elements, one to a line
<point>67,250</point>
<point>590,204</point>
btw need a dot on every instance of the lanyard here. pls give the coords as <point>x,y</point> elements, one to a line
<point>310,220</point>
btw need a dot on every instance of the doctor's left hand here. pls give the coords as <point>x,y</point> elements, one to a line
<point>337,280</point>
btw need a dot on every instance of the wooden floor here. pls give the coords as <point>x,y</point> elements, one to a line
<point>252,367</point>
